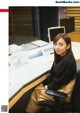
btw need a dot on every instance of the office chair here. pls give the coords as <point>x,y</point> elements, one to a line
<point>60,106</point>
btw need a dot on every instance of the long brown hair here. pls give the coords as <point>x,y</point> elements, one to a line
<point>67,39</point>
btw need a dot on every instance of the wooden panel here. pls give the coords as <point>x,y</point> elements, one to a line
<point>77,18</point>
<point>20,24</point>
<point>73,8</point>
<point>75,36</point>
<point>77,21</point>
<point>77,27</point>
<point>73,15</point>
<point>74,12</point>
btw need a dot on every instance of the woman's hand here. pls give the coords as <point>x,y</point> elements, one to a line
<point>40,87</point>
<point>46,87</point>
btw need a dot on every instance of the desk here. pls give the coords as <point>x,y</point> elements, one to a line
<point>26,88</point>
<point>27,73</point>
<point>30,74</point>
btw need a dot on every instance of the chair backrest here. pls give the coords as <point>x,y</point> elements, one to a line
<point>76,93</point>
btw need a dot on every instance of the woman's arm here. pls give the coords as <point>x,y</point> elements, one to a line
<point>48,80</point>
<point>63,75</point>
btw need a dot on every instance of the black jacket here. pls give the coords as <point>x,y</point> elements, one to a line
<point>61,74</point>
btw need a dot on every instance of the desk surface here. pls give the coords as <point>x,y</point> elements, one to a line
<point>29,71</point>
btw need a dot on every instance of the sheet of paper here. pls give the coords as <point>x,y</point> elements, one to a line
<point>39,43</point>
<point>29,46</point>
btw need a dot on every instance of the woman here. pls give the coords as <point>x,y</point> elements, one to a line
<point>61,75</point>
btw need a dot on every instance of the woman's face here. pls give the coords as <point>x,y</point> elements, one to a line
<point>61,47</point>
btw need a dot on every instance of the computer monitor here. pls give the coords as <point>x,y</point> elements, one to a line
<point>53,31</point>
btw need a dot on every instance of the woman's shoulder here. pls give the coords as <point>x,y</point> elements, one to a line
<point>69,59</point>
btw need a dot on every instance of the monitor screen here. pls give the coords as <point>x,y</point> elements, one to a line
<point>53,31</point>
<point>68,23</point>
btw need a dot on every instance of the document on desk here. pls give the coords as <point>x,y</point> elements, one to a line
<point>23,57</point>
<point>39,43</point>
<point>18,59</point>
<point>29,46</point>
<point>13,48</point>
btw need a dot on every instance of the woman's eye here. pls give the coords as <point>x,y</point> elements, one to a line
<point>61,44</point>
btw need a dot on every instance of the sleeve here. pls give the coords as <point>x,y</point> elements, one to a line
<point>48,80</point>
<point>63,75</point>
